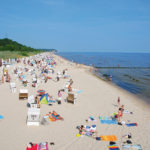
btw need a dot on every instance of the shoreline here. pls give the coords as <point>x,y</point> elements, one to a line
<point>141,99</point>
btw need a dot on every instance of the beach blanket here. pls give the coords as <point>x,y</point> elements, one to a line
<point>108,138</point>
<point>88,130</point>
<point>1,117</point>
<point>91,119</point>
<point>34,147</point>
<point>131,124</point>
<point>80,91</point>
<point>57,116</point>
<point>50,117</point>
<point>113,147</point>
<point>43,146</point>
<point>107,120</point>
<point>137,146</point>
<point>51,101</point>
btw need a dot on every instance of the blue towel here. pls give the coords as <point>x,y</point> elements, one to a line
<point>131,124</point>
<point>1,117</point>
<point>80,91</point>
<point>108,121</point>
<point>51,101</point>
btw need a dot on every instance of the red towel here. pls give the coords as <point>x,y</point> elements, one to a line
<point>34,147</point>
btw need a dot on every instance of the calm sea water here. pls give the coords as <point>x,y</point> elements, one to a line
<point>133,79</point>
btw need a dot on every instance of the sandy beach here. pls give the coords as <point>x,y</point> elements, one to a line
<point>98,98</point>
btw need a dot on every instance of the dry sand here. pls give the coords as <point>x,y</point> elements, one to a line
<point>98,98</point>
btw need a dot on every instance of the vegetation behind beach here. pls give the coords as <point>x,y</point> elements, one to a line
<point>13,49</point>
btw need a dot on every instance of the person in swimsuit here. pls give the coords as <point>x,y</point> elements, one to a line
<point>81,130</point>
<point>57,115</point>
<point>118,101</point>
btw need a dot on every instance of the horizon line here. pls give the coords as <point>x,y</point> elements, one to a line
<point>103,52</point>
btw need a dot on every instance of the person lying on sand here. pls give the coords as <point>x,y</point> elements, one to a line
<point>57,115</point>
<point>69,88</point>
<point>82,130</point>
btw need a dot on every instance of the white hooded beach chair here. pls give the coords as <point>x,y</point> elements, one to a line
<point>33,117</point>
<point>31,99</point>
<point>59,74</point>
<point>13,87</point>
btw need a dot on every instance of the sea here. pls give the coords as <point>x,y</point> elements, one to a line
<point>130,71</point>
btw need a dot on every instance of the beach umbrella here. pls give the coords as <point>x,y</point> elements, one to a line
<point>41,92</point>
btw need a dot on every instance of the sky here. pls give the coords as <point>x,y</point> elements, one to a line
<point>78,25</point>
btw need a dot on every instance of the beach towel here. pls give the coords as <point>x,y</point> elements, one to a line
<point>80,91</point>
<point>91,119</point>
<point>1,117</point>
<point>108,138</point>
<point>78,135</point>
<point>107,120</point>
<point>57,117</point>
<point>43,146</point>
<point>90,129</point>
<point>113,147</point>
<point>51,101</point>
<point>34,147</point>
<point>137,146</point>
<point>50,117</point>
<point>131,124</point>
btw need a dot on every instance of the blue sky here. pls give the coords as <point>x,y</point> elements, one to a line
<point>78,25</point>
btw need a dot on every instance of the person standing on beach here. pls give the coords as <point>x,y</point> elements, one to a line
<point>71,82</point>
<point>59,95</point>
<point>118,101</point>
<point>110,78</point>
<point>3,79</point>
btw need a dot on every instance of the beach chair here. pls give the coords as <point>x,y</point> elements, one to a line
<point>13,87</point>
<point>23,94</point>
<point>71,98</point>
<point>59,74</point>
<point>33,117</point>
<point>31,99</point>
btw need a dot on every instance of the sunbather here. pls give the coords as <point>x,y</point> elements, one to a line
<point>69,88</point>
<point>51,117</point>
<point>57,115</point>
<point>7,77</point>
<point>82,130</point>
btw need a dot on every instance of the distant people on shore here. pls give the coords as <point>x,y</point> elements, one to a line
<point>118,101</point>
<point>110,78</point>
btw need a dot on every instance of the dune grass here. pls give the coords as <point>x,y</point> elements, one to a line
<point>16,54</point>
